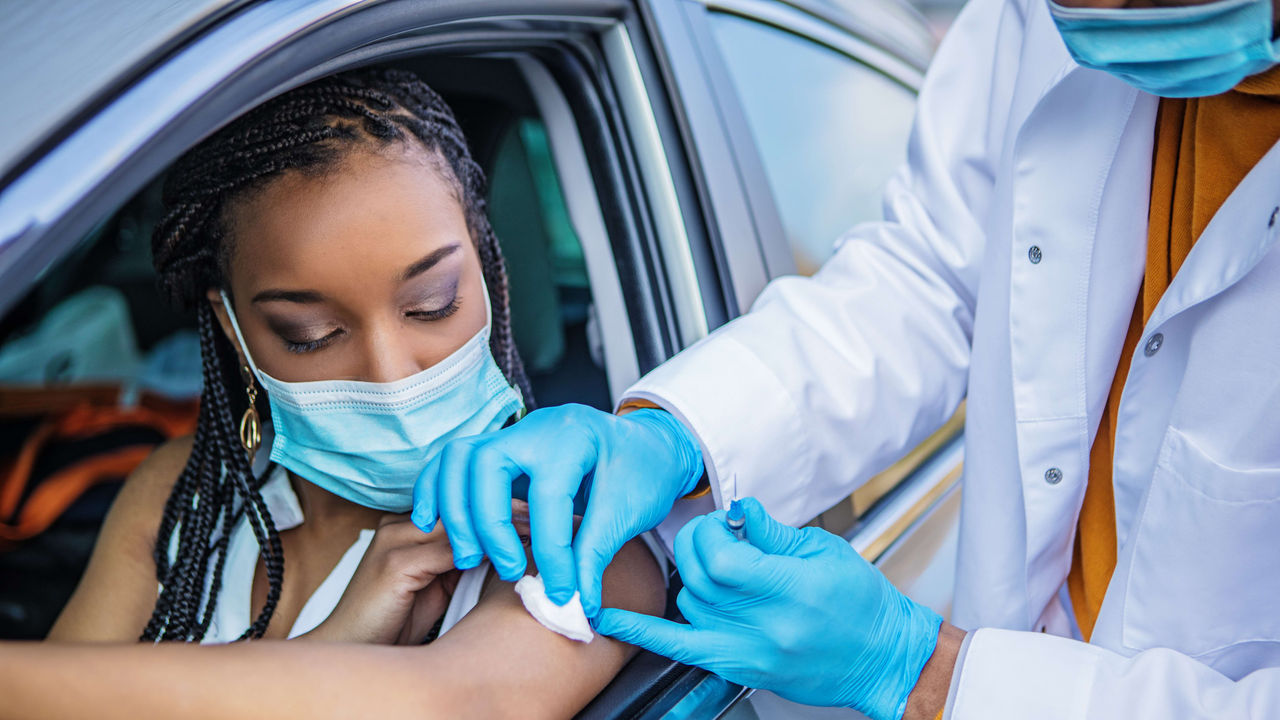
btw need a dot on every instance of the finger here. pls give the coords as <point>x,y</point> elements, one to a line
<point>428,606</point>
<point>674,640</point>
<point>727,561</point>
<point>454,503</point>
<point>599,539</point>
<point>490,487</point>
<point>697,612</point>
<point>399,530</point>
<point>689,564</point>
<point>767,533</point>
<point>551,494</point>
<point>424,495</point>
<point>420,564</point>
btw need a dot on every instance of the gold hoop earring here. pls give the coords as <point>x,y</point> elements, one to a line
<point>250,424</point>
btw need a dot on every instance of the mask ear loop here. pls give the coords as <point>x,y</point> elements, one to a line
<point>235,327</point>
<point>250,422</point>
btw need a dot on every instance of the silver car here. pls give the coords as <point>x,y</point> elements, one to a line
<point>653,164</point>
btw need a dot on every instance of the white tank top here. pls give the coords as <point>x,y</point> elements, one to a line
<point>232,611</point>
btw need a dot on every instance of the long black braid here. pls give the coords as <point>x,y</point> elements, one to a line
<point>304,130</point>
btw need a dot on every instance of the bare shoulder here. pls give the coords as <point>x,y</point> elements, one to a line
<point>118,588</point>
<point>141,501</point>
<point>524,670</point>
<point>158,473</point>
<point>634,581</point>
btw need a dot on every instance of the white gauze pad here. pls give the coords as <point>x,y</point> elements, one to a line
<point>568,620</point>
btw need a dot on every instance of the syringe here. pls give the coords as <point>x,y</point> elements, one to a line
<point>736,519</point>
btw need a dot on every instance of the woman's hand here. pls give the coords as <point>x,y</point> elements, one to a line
<point>400,589</point>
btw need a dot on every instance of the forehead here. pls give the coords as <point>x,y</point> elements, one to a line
<point>373,213</point>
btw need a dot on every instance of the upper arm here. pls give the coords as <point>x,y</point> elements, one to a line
<point>505,657</point>
<point>118,589</point>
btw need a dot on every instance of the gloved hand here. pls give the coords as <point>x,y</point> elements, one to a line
<point>795,611</point>
<point>637,465</point>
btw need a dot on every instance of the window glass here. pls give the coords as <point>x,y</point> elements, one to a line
<point>830,130</point>
<point>546,271</point>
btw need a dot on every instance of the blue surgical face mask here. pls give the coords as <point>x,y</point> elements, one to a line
<point>1187,51</point>
<point>367,441</point>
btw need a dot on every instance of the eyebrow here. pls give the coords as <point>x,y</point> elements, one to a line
<point>428,262</point>
<point>293,296</point>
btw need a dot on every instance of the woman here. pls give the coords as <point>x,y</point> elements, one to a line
<point>335,245</point>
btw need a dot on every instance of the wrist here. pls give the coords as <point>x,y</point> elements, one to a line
<point>685,448</point>
<point>929,697</point>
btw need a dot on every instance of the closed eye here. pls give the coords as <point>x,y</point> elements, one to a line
<point>439,314</point>
<point>306,346</point>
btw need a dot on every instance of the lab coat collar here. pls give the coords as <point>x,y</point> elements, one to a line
<point>1237,237</point>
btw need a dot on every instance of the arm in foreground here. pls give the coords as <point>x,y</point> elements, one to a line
<point>497,663</point>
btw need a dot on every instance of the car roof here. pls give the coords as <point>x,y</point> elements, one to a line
<point>59,57</point>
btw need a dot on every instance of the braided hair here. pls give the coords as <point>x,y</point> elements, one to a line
<point>304,130</point>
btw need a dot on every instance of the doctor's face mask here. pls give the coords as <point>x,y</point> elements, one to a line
<point>1172,51</point>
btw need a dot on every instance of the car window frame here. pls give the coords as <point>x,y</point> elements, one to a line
<point>866,51</point>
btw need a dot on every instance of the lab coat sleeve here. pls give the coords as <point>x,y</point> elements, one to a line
<point>1011,674</point>
<point>829,379</point>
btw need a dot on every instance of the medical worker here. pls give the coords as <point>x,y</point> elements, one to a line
<point>1083,244</point>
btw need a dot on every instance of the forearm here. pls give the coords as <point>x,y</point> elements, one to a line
<point>930,694</point>
<point>259,679</point>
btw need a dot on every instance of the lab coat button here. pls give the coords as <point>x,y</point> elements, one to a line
<point>1153,345</point>
<point>1053,476</point>
<point>1034,255</point>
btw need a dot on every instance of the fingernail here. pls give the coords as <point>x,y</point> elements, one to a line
<point>424,524</point>
<point>468,562</point>
<point>559,597</point>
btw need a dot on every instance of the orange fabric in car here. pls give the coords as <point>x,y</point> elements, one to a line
<point>1203,148</point>
<point>57,492</point>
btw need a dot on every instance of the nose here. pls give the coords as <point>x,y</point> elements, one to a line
<point>388,357</point>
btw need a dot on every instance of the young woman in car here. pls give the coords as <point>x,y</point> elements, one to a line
<point>335,246</point>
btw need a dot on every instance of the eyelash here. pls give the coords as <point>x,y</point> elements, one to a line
<point>431,315</point>
<point>311,345</point>
<point>301,348</point>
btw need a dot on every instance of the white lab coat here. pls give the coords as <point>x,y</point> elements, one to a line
<point>829,379</point>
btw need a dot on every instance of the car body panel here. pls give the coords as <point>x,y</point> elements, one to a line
<point>99,44</point>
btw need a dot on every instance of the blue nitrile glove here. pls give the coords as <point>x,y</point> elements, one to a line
<point>636,465</point>
<point>798,612</point>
